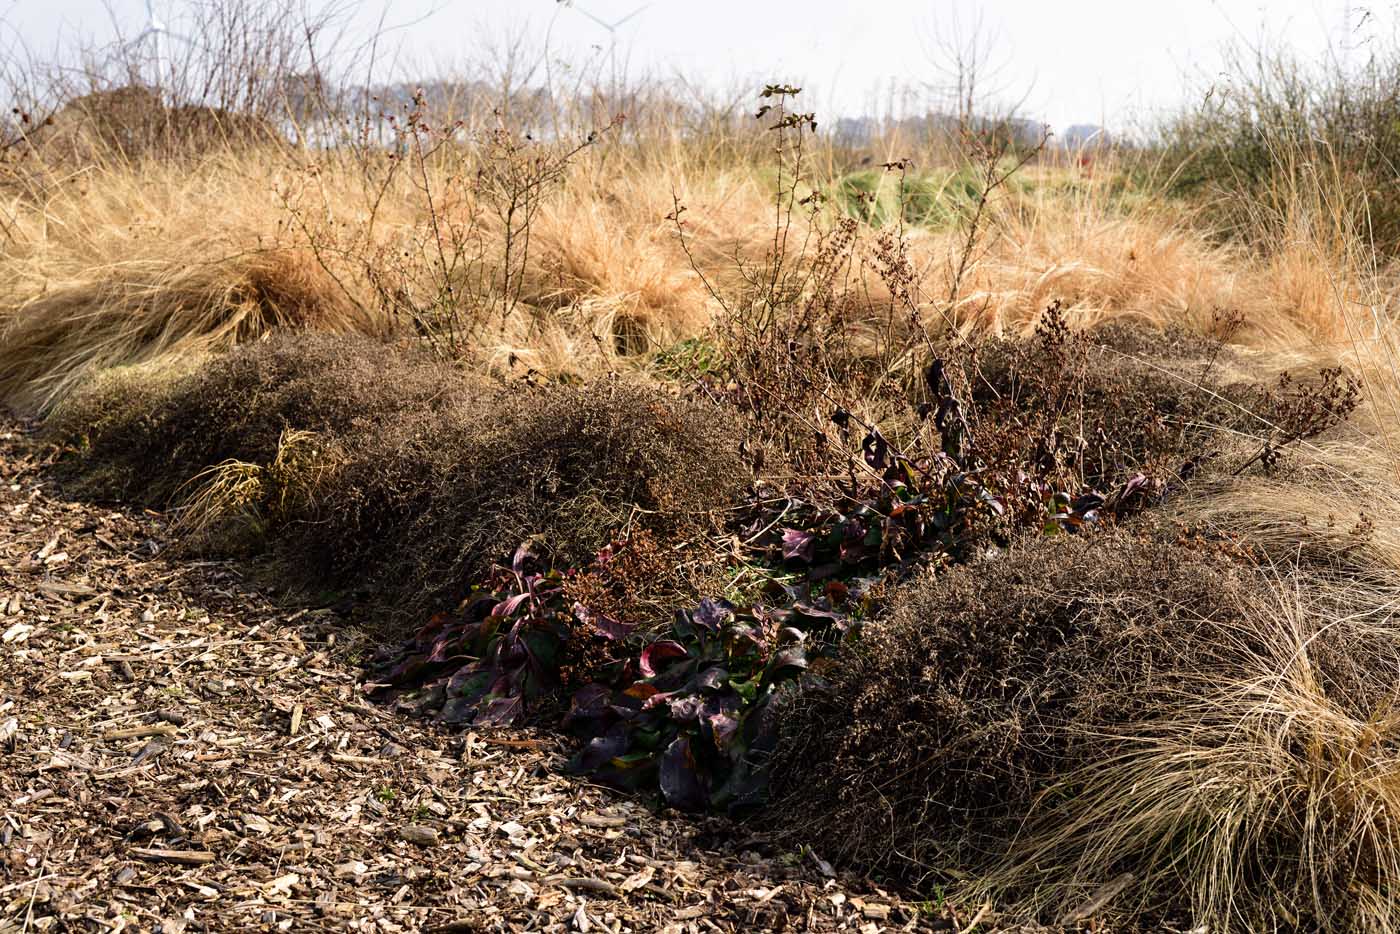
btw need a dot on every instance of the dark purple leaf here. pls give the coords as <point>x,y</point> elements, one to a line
<point>724,727</point>
<point>508,607</point>
<point>628,772</point>
<point>542,651</point>
<point>469,681</point>
<point>1087,502</point>
<point>986,497</point>
<point>711,678</point>
<point>711,614</point>
<point>787,663</point>
<point>686,709</point>
<point>658,653</point>
<point>799,545</point>
<point>458,710</point>
<point>600,749</point>
<point>605,626</point>
<point>1135,483</point>
<point>876,449</point>
<point>805,613</point>
<point>1138,486</point>
<point>779,591</point>
<point>680,781</point>
<point>719,720</point>
<point>588,703</point>
<point>439,653</point>
<point>408,671</point>
<point>501,711</point>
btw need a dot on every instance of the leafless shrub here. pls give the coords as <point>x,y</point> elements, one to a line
<point>464,269</point>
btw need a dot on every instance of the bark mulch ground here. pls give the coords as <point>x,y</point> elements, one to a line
<point>179,752</point>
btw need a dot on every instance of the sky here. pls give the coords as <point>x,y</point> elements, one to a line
<point>1108,62</point>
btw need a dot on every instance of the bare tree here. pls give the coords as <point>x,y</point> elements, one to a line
<point>973,80</point>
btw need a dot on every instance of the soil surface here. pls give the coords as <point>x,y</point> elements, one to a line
<point>182,752</point>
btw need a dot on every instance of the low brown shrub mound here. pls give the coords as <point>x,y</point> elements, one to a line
<point>132,123</point>
<point>413,477</point>
<point>956,708</point>
<point>143,439</point>
<point>1079,708</point>
<point>1079,409</point>
<point>1093,407</point>
<point>433,499</point>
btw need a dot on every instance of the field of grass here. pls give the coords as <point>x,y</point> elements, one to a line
<point>1026,522</point>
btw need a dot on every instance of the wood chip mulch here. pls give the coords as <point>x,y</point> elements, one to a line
<point>179,752</point>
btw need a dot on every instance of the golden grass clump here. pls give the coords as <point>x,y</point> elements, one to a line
<point>1149,261</point>
<point>1337,511</point>
<point>137,311</point>
<point>1267,795</point>
<point>236,499</point>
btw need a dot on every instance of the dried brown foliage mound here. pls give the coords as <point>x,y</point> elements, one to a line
<point>424,476</point>
<point>133,123</point>
<point>432,500</point>
<point>956,709</point>
<point>1092,407</point>
<point>144,439</point>
<point>1084,707</point>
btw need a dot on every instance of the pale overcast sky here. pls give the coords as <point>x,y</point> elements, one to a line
<point>1082,61</point>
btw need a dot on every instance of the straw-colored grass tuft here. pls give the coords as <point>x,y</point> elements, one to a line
<point>1267,799</point>
<point>138,311</point>
<point>235,498</point>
